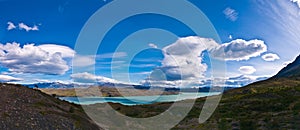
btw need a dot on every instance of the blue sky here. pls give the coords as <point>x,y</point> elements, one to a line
<point>37,39</point>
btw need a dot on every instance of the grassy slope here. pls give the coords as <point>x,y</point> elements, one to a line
<point>271,104</point>
<point>24,108</point>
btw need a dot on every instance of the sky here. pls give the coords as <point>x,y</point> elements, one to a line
<point>38,40</point>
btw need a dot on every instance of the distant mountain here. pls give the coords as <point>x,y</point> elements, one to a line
<point>51,85</point>
<point>25,108</point>
<point>59,85</point>
<point>291,70</point>
<point>232,82</point>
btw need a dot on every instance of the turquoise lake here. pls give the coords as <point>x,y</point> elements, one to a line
<point>137,100</point>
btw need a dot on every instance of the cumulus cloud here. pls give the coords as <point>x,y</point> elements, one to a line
<point>28,28</point>
<point>152,45</point>
<point>182,58</point>
<point>231,14</point>
<point>33,59</point>
<point>11,26</point>
<point>239,49</point>
<point>7,78</point>
<point>182,63</point>
<point>247,69</point>
<point>297,2</point>
<point>270,57</point>
<point>86,77</point>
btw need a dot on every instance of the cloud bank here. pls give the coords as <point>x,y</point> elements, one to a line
<point>34,59</point>
<point>86,77</point>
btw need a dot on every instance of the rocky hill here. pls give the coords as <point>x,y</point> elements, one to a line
<point>25,108</point>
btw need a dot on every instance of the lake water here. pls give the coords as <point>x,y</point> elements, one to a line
<point>137,100</point>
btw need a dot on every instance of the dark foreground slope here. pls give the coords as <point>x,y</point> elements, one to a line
<point>24,108</point>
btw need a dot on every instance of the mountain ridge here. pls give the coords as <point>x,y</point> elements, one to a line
<point>291,70</point>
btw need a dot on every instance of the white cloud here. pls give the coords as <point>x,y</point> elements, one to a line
<point>32,59</point>
<point>154,59</point>
<point>270,57</point>
<point>87,60</point>
<point>22,26</point>
<point>231,14</point>
<point>86,77</point>
<point>171,84</point>
<point>11,26</point>
<point>112,55</point>
<point>247,69</point>
<point>7,78</point>
<point>82,61</point>
<point>152,45</point>
<point>239,49</point>
<point>28,28</point>
<point>182,64</point>
<point>65,51</point>
<point>142,65</point>
<point>297,2</point>
<point>141,73</point>
<point>230,37</point>
<point>182,58</point>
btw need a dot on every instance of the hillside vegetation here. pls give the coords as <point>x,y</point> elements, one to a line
<point>273,104</point>
<point>266,105</point>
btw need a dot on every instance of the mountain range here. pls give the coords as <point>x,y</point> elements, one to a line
<point>231,82</point>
